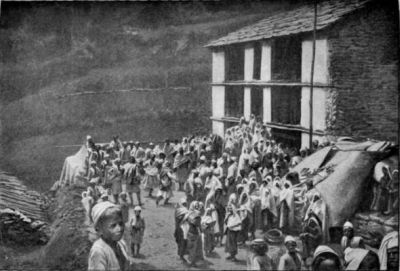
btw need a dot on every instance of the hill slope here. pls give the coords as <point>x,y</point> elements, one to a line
<point>53,51</point>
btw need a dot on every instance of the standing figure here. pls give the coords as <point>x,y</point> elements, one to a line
<point>137,230</point>
<point>393,190</point>
<point>139,152</point>
<point>132,180</point>
<point>219,213</point>
<point>151,178</point>
<point>269,211</point>
<point>207,227</point>
<point>194,242</point>
<point>93,173</point>
<point>167,177</point>
<point>311,236</point>
<point>380,190</point>
<point>180,235</point>
<point>286,208</point>
<point>232,171</point>
<point>198,190</point>
<point>115,177</point>
<point>168,149</point>
<point>125,152</point>
<point>124,205</point>
<point>233,225</point>
<point>224,164</point>
<point>181,164</point>
<point>87,202</point>
<point>189,186</point>
<point>246,215</point>
<point>291,260</point>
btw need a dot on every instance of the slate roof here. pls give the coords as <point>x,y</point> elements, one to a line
<point>293,21</point>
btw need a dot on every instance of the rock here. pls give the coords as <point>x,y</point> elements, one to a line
<point>22,230</point>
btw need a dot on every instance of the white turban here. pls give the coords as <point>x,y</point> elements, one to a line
<point>348,225</point>
<point>289,238</point>
<point>99,209</point>
<point>324,249</point>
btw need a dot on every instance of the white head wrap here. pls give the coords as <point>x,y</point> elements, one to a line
<point>323,249</point>
<point>348,224</point>
<point>289,238</point>
<point>99,209</point>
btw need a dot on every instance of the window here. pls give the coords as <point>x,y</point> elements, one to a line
<point>257,61</point>
<point>234,63</point>
<point>234,98</point>
<point>257,102</point>
<point>286,105</point>
<point>286,59</point>
<point>288,138</point>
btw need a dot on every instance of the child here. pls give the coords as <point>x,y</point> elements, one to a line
<point>109,251</point>
<point>291,260</point>
<point>137,230</point>
<point>124,205</point>
<point>257,258</point>
<point>87,202</point>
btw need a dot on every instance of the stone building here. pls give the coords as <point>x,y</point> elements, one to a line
<point>265,69</point>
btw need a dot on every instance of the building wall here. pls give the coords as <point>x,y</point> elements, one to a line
<point>364,70</point>
<point>218,92</point>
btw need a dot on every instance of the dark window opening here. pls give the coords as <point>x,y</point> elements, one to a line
<point>229,124</point>
<point>257,102</point>
<point>286,59</point>
<point>234,63</point>
<point>286,105</point>
<point>257,61</point>
<point>291,139</point>
<point>234,98</point>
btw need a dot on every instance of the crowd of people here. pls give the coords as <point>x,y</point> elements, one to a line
<point>234,189</point>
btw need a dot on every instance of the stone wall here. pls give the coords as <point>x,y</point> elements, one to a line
<point>364,69</point>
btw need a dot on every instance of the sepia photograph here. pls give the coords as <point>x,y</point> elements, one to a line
<point>199,135</point>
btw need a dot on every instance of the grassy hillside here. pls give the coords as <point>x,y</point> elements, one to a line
<point>53,50</point>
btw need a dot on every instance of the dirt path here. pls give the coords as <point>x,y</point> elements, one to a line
<point>159,250</point>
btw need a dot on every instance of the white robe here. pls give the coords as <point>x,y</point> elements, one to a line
<point>102,256</point>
